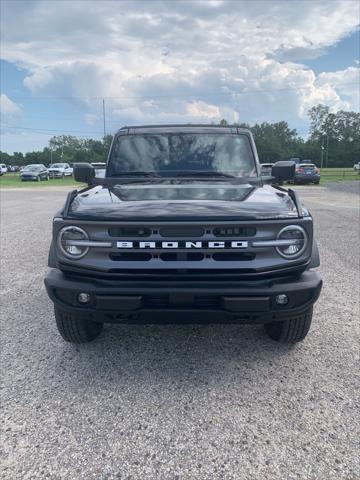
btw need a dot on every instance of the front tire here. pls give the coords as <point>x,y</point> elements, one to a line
<point>76,328</point>
<point>292,330</point>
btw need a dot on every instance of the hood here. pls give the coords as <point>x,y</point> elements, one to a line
<point>182,201</point>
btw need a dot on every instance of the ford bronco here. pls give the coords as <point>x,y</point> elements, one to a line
<point>183,228</point>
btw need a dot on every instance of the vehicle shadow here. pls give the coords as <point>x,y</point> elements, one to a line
<point>169,354</point>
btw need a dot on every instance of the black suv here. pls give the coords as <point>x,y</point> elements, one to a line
<point>183,228</point>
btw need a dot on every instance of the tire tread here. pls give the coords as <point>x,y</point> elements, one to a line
<point>76,329</point>
<point>292,330</point>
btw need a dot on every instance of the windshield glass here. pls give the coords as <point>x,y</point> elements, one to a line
<point>57,165</point>
<point>32,168</point>
<point>168,154</point>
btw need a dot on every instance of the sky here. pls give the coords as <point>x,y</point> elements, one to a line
<point>184,61</point>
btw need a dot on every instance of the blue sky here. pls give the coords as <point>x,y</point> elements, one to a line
<point>192,61</point>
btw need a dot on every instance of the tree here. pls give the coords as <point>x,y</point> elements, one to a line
<point>338,133</point>
<point>274,141</point>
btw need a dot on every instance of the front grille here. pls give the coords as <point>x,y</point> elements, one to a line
<point>197,236</point>
<point>184,252</point>
<point>180,232</point>
<point>234,231</point>
<point>136,232</point>
<point>181,256</point>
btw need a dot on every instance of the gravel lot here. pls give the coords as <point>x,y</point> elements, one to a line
<point>177,402</point>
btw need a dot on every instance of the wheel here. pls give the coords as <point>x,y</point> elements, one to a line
<point>292,330</point>
<point>76,328</point>
<point>317,183</point>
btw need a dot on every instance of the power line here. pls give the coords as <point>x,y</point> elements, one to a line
<point>35,129</point>
<point>50,132</point>
<point>209,94</point>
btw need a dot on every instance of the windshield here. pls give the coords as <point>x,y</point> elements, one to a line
<point>32,168</point>
<point>173,154</point>
<point>58,165</point>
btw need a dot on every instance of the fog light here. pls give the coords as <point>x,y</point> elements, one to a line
<point>282,299</point>
<point>83,298</point>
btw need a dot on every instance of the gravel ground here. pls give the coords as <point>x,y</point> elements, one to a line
<point>346,186</point>
<point>177,402</point>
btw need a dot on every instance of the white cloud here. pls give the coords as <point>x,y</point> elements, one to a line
<point>91,118</point>
<point>8,108</point>
<point>346,83</point>
<point>183,60</point>
<point>202,109</point>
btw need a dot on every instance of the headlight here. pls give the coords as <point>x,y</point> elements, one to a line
<point>69,241</point>
<point>295,241</point>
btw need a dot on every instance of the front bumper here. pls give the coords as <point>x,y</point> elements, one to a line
<point>55,174</point>
<point>230,302</point>
<point>28,178</point>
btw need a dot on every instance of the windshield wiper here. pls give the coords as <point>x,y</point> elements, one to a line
<point>199,173</point>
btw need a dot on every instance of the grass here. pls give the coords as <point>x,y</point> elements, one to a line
<point>12,180</point>
<point>338,175</point>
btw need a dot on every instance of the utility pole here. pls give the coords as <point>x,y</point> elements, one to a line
<point>104,117</point>
<point>322,151</point>
<point>327,150</point>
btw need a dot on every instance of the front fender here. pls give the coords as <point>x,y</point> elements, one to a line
<point>52,256</point>
<point>315,257</point>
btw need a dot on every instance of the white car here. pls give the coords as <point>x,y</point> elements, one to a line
<point>266,169</point>
<point>60,170</point>
<point>100,169</point>
<point>3,168</point>
<point>357,167</point>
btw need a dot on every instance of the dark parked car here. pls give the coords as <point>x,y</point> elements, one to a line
<point>307,173</point>
<point>35,172</point>
<point>183,229</point>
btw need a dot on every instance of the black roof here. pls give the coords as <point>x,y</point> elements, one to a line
<point>140,129</point>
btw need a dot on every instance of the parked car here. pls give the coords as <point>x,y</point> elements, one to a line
<point>357,167</point>
<point>298,160</point>
<point>266,169</point>
<point>3,168</point>
<point>307,173</point>
<point>35,172</point>
<point>60,170</point>
<point>100,168</point>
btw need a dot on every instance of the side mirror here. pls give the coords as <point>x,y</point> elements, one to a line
<point>84,173</point>
<point>283,170</point>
